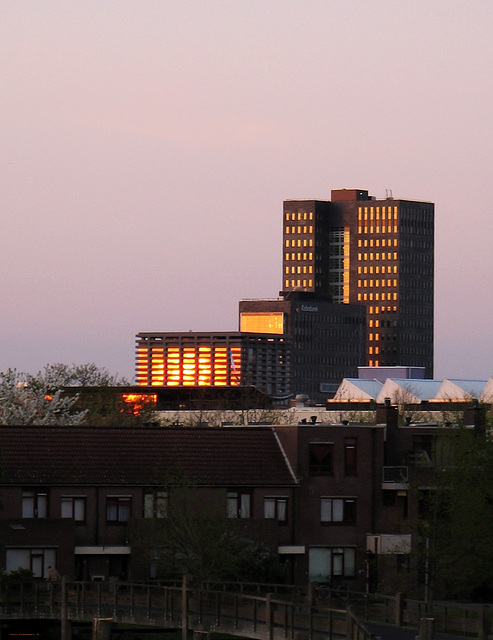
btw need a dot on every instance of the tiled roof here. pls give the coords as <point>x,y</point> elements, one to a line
<point>239,456</point>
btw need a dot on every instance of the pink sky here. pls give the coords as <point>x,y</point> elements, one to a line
<point>147,148</point>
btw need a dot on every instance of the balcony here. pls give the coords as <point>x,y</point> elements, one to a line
<point>395,478</point>
<point>388,543</point>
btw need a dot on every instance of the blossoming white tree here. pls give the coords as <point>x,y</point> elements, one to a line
<point>27,399</point>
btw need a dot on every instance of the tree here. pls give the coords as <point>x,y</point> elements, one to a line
<point>27,400</point>
<point>196,538</point>
<point>43,398</point>
<point>456,517</point>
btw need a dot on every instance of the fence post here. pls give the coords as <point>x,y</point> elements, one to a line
<point>268,616</point>
<point>399,606</point>
<point>66,627</point>
<point>349,624</point>
<point>101,628</point>
<point>426,629</point>
<point>483,623</point>
<point>184,608</point>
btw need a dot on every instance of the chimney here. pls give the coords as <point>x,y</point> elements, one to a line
<point>387,414</point>
<point>475,416</point>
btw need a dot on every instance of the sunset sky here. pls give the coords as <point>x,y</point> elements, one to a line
<point>147,148</point>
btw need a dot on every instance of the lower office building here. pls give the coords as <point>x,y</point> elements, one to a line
<point>229,359</point>
<point>327,340</point>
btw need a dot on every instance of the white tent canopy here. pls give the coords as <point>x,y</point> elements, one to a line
<point>487,393</point>
<point>456,390</point>
<point>357,390</point>
<point>408,391</point>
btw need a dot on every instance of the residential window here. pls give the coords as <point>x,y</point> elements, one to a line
<point>276,509</point>
<point>327,562</point>
<point>321,458</point>
<point>34,504</point>
<point>338,510</point>
<point>74,507</point>
<point>36,560</point>
<point>118,509</point>
<point>156,504</point>
<point>350,458</point>
<point>239,504</point>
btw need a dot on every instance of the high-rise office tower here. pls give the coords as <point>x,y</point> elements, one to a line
<point>376,253</point>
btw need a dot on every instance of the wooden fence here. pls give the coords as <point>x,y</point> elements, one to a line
<point>260,617</point>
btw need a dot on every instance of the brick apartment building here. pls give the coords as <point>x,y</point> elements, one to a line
<point>334,500</point>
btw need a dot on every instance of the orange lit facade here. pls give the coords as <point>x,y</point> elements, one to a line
<point>213,360</point>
